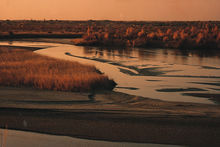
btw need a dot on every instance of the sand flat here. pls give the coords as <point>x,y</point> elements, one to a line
<point>111,116</point>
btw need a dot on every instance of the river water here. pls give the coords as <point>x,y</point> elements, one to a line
<point>164,74</point>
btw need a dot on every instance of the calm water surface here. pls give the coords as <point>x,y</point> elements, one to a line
<point>165,74</point>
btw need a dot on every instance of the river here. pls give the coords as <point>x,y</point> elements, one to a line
<point>164,74</point>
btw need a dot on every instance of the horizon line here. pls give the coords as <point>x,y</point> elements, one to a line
<point>211,20</point>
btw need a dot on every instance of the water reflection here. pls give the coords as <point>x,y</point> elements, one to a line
<point>147,71</point>
<point>111,53</point>
<point>174,55</point>
<point>151,71</point>
<point>198,53</point>
<point>160,69</point>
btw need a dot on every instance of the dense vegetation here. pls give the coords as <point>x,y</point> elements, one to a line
<point>20,67</point>
<point>188,35</point>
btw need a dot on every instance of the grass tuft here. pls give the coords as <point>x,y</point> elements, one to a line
<point>19,67</point>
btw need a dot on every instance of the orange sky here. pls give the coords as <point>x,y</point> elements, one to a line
<point>111,9</point>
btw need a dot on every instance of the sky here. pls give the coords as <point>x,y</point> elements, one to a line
<point>146,10</point>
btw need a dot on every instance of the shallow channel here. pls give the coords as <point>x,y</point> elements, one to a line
<point>166,74</point>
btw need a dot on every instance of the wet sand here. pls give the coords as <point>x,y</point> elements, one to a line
<point>110,116</point>
<point>27,139</point>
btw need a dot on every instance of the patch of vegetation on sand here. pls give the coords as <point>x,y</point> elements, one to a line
<point>19,67</point>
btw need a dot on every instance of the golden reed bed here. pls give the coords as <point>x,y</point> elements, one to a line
<point>19,67</point>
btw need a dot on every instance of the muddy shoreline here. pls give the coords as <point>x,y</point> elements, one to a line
<point>115,126</point>
<point>110,116</point>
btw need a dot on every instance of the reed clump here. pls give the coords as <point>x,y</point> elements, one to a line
<point>19,67</point>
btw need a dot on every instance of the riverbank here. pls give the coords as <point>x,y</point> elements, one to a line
<point>141,78</point>
<point>201,35</point>
<point>23,35</point>
<point>110,116</point>
<point>33,139</point>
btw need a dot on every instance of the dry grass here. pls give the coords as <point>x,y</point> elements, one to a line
<point>20,67</point>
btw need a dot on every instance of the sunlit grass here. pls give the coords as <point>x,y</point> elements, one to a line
<point>24,68</point>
